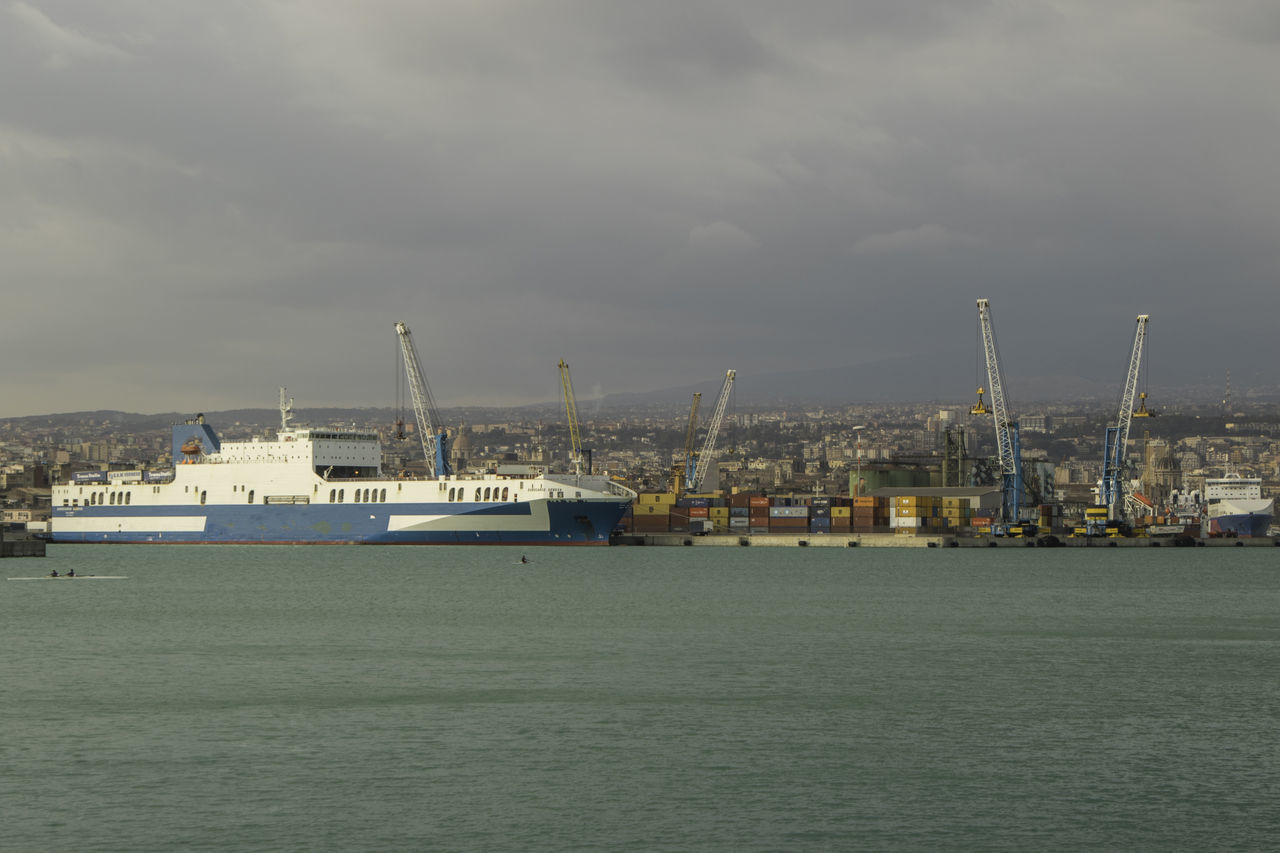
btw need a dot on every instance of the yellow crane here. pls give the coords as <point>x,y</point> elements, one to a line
<point>684,472</point>
<point>571,410</point>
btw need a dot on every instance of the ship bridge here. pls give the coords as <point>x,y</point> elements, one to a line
<point>341,454</point>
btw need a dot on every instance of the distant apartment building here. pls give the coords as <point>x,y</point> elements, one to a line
<point>1036,423</point>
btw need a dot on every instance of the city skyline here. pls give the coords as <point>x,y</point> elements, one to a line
<point>204,202</point>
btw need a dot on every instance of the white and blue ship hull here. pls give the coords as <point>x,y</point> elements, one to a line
<point>544,522</point>
<point>1244,525</point>
<point>1236,507</point>
<point>326,486</point>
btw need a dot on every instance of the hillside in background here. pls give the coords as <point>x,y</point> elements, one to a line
<point>899,380</point>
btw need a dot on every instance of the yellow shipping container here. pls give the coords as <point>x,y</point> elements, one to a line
<point>719,512</point>
<point>841,512</point>
<point>661,498</point>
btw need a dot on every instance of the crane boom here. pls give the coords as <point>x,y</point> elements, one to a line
<point>704,458</point>
<point>430,427</point>
<point>1006,429</point>
<point>690,459</point>
<point>571,411</point>
<point>1117,437</point>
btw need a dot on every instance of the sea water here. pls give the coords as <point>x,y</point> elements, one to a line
<point>648,699</point>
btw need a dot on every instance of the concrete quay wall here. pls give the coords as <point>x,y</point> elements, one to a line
<point>22,548</point>
<point>892,540</point>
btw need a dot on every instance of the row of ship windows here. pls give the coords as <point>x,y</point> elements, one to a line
<point>358,495</point>
<point>106,498</point>
<point>102,499</point>
<point>335,496</point>
<point>460,494</point>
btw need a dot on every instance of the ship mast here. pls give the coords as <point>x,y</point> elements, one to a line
<point>286,409</point>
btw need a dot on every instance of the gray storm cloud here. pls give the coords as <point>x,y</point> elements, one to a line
<point>200,202</point>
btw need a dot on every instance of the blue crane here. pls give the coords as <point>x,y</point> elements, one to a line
<point>1111,492</point>
<point>435,439</point>
<point>1007,442</point>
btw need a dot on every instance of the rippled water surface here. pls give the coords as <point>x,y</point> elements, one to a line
<point>744,699</point>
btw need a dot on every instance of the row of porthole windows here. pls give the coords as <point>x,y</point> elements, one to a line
<point>487,494</point>
<point>104,499</point>
<point>358,495</point>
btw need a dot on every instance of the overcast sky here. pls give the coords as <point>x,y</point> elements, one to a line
<point>201,201</point>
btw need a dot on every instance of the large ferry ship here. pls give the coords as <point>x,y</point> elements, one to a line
<point>326,486</point>
<point>1234,506</point>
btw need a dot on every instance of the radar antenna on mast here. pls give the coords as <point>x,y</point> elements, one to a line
<point>286,409</point>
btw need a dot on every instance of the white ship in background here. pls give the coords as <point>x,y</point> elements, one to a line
<point>1234,506</point>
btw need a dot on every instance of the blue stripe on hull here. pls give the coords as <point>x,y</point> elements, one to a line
<point>569,522</point>
<point>1244,526</point>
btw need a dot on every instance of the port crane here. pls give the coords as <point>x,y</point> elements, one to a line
<point>1114,448</point>
<point>705,457</point>
<point>690,458</point>
<point>571,412</point>
<point>1007,442</point>
<point>435,439</point>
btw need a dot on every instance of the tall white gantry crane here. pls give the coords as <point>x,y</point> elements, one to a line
<point>1006,429</point>
<point>571,411</point>
<point>706,456</point>
<point>1114,474</point>
<point>435,439</point>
